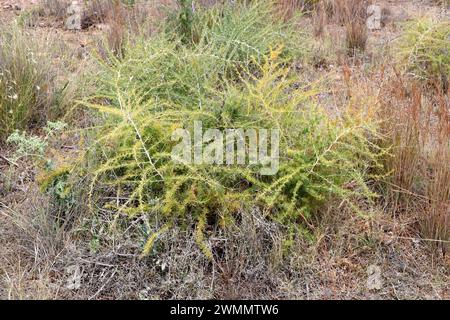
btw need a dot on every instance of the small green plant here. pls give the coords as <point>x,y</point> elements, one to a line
<point>26,145</point>
<point>33,146</point>
<point>52,180</point>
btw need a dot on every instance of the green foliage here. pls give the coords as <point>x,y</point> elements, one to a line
<point>231,78</point>
<point>33,146</point>
<point>185,18</point>
<point>53,127</point>
<point>238,33</point>
<point>52,180</point>
<point>424,49</point>
<point>25,82</point>
<point>59,188</point>
<point>159,69</point>
<point>26,145</point>
<point>321,158</point>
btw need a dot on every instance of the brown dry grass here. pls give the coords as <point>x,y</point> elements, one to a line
<point>351,14</point>
<point>416,120</point>
<point>247,260</point>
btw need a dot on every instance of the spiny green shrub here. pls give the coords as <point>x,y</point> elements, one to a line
<point>185,19</point>
<point>231,39</point>
<point>26,81</point>
<point>130,160</point>
<point>163,84</point>
<point>424,50</point>
<point>239,32</point>
<point>162,70</point>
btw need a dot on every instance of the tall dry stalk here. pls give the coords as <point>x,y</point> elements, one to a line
<point>417,127</point>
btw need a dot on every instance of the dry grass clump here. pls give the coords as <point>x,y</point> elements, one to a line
<point>124,22</point>
<point>355,37</point>
<point>418,128</point>
<point>320,19</point>
<point>348,13</point>
<point>116,33</point>
<point>285,9</point>
<point>34,239</point>
<point>415,106</point>
<point>55,8</point>
<point>26,81</point>
<point>343,11</point>
<point>353,14</point>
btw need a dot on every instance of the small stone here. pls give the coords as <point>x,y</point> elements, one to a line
<point>374,17</point>
<point>73,22</point>
<point>374,281</point>
<point>74,278</point>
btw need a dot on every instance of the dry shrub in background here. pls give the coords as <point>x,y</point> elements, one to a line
<point>342,11</point>
<point>95,11</point>
<point>320,19</point>
<point>126,21</point>
<point>348,13</point>
<point>417,103</point>
<point>116,32</point>
<point>136,14</point>
<point>418,128</point>
<point>286,8</point>
<point>55,8</point>
<point>99,10</point>
<point>355,37</point>
<point>445,3</point>
<point>353,12</point>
